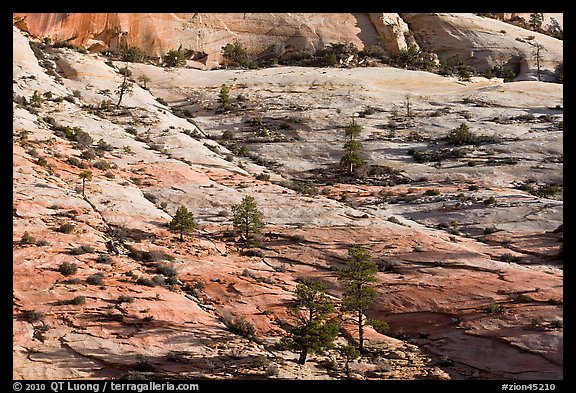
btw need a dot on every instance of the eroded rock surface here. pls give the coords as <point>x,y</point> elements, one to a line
<point>471,280</point>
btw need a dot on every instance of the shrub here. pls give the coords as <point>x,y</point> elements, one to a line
<point>143,364</point>
<point>81,250</point>
<point>239,326</point>
<point>431,192</point>
<point>490,230</point>
<point>32,315</point>
<point>489,201</point>
<point>495,309</point>
<point>166,270</point>
<point>95,279</point>
<point>132,54</point>
<point>509,258</point>
<point>68,268</point>
<point>175,58</point>
<point>236,54</point>
<point>461,136</point>
<point>103,165</point>
<point>124,299</point>
<point>66,228</point>
<point>145,282</point>
<point>104,258</point>
<point>78,300</point>
<point>27,239</point>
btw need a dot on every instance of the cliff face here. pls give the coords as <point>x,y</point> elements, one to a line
<point>478,41</point>
<point>158,33</point>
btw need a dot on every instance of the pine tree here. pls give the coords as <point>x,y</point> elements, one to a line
<point>312,333</point>
<point>182,222</point>
<point>352,159</point>
<point>86,175</point>
<point>224,98</point>
<point>247,217</point>
<point>125,87</point>
<point>358,295</point>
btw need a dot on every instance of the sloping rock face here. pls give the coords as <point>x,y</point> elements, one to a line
<point>470,280</point>
<point>484,42</point>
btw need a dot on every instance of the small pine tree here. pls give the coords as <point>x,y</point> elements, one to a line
<point>358,295</point>
<point>144,79</point>
<point>85,175</point>
<point>352,158</point>
<point>224,98</point>
<point>125,87</point>
<point>538,58</point>
<point>353,130</point>
<point>182,222</point>
<point>535,21</point>
<point>247,217</point>
<point>349,353</point>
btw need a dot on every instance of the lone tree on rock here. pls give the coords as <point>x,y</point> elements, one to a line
<point>247,217</point>
<point>358,295</point>
<point>183,222</point>
<point>86,175</point>
<point>224,98</point>
<point>125,87</point>
<point>312,333</point>
<point>352,158</point>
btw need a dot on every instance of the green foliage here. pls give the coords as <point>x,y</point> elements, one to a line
<point>358,295</point>
<point>236,54</point>
<point>413,58</point>
<point>166,270</point>
<point>349,352</point>
<point>313,336</point>
<point>143,79</point>
<point>125,87</point>
<point>495,308</point>
<point>546,190</point>
<point>380,326</point>
<point>36,99</point>
<point>247,219</point>
<point>506,73</point>
<point>85,176</point>
<point>535,21</point>
<point>224,98</point>
<point>461,136</point>
<point>311,296</point>
<point>182,222</point>
<point>132,54</point>
<point>352,159</point>
<point>352,130</point>
<point>175,58</point>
